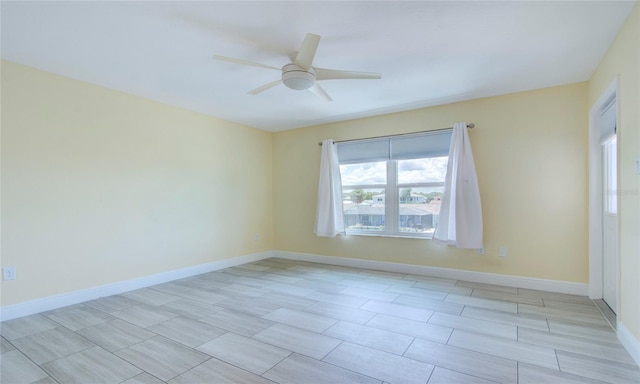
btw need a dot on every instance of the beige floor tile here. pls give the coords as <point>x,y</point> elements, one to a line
<point>78,316</point>
<point>505,318</point>
<point>369,294</point>
<point>578,345</point>
<point>144,315</point>
<point>289,289</point>
<point>301,369</point>
<point>51,345</point>
<point>340,312</point>
<point>205,295</point>
<point>430,304</point>
<point>285,300</point>
<point>598,369</point>
<point>249,305</point>
<point>301,319</point>
<point>366,284</point>
<point>335,298</point>
<point>26,326</point>
<point>215,371</point>
<point>485,327</point>
<point>298,340</point>
<point>5,345</point>
<point>560,314</point>
<point>416,292</point>
<point>371,337</point>
<point>531,374</point>
<point>115,334</point>
<point>243,352</point>
<point>488,287</point>
<point>381,365</point>
<point>243,290</point>
<point>412,328</point>
<point>186,331</point>
<point>238,322</point>
<point>94,365</point>
<point>163,358</point>
<point>191,308</point>
<point>507,297</point>
<point>495,369</point>
<point>143,378</point>
<point>592,332</point>
<point>482,303</point>
<point>446,376</point>
<point>398,310</point>
<point>111,304</point>
<point>508,349</point>
<point>453,289</point>
<point>150,296</point>
<point>16,368</point>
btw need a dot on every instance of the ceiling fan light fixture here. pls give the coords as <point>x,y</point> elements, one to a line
<point>295,77</point>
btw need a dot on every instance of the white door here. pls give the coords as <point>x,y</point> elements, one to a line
<point>609,209</point>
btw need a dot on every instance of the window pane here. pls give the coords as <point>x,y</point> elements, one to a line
<point>419,209</point>
<point>363,209</point>
<point>429,170</point>
<point>364,173</point>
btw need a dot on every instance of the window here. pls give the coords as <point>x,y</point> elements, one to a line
<point>394,186</point>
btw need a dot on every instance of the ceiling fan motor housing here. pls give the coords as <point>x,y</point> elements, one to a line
<point>296,77</point>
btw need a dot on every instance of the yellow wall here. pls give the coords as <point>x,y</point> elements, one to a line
<point>530,150</point>
<point>623,61</point>
<point>99,186</point>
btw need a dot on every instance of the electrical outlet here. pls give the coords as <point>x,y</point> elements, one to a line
<point>502,251</point>
<point>9,273</point>
<point>480,251</point>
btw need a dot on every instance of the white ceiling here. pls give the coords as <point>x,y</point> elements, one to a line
<point>428,52</point>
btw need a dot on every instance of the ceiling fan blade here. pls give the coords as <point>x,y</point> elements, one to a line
<point>307,51</point>
<point>319,91</point>
<point>243,62</point>
<point>265,87</point>
<point>330,74</point>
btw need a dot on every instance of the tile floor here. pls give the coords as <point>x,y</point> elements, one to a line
<point>283,321</point>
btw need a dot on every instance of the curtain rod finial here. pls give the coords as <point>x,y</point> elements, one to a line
<point>470,125</point>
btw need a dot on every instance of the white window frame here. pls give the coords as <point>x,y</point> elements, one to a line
<point>391,204</point>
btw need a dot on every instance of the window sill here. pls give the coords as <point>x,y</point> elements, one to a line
<point>372,234</point>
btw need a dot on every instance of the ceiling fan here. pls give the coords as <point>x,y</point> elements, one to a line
<point>299,74</point>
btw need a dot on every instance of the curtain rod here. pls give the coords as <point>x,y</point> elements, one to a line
<point>470,126</point>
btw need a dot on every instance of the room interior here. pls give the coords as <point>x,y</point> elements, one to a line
<point>107,190</point>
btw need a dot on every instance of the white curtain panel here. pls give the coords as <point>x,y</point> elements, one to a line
<point>460,221</point>
<point>329,215</point>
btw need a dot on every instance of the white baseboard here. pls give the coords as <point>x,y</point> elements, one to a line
<point>630,343</point>
<point>52,302</point>
<point>477,277</point>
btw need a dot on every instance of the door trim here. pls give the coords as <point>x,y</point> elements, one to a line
<point>595,194</point>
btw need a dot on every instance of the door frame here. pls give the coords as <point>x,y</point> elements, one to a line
<point>596,197</point>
